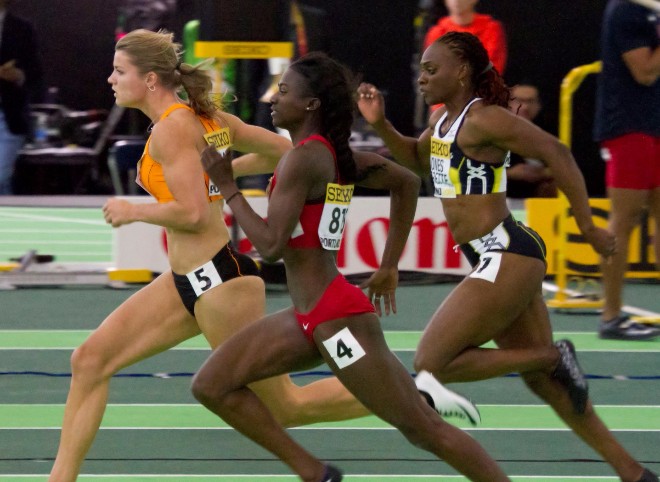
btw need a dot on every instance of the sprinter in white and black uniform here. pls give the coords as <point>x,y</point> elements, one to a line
<point>467,142</point>
<point>454,173</point>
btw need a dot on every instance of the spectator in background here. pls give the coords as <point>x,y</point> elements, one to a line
<point>527,177</point>
<point>148,14</point>
<point>20,84</point>
<point>463,18</point>
<point>627,126</point>
<point>151,15</point>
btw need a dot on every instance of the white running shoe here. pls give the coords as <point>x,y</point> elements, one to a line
<point>444,401</point>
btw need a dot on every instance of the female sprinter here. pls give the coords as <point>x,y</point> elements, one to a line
<point>210,289</point>
<point>467,142</point>
<point>330,321</point>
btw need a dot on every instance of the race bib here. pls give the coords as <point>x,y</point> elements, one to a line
<point>344,348</point>
<point>440,168</point>
<point>489,266</point>
<point>204,278</point>
<point>333,220</point>
<point>221,140</point>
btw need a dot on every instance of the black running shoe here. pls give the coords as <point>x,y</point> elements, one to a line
<point>570,375</point>
<point>623,328</point>
<point>648,476</point>
<point>332,474</point>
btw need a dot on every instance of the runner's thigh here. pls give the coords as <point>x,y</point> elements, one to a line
<point>150,321</point>
<point>478,310</point>
<point>228,308</point>
<point>356,351</point>
<point>270,346</point>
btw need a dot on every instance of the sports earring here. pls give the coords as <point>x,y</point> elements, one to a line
<point>152,88</point>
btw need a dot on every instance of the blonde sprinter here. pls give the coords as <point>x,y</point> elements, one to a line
<point>147,74</point>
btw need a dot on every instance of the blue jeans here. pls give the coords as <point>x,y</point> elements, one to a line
<point>10,144</point>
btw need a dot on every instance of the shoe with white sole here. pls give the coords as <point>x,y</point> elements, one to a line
<point>444,401</point>
<point>623,328</point>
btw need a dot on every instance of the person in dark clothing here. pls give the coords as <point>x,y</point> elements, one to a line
<point>527,177</point>
<point>627,126</point>
<point>21,82</point>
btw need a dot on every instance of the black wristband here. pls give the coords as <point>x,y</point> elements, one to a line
<point>233,196</point>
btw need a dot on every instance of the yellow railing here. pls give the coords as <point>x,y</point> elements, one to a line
<point>569,86</point>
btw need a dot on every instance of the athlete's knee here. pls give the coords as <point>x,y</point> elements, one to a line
<point>202,388</point>
<point>207,388</point>
<point>87,362</point>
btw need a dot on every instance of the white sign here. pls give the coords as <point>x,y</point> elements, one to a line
<point>430,247</point>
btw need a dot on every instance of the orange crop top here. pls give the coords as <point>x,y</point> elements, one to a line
<point>150,173</point>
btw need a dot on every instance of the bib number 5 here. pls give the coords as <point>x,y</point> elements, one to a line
<point>204,278</point>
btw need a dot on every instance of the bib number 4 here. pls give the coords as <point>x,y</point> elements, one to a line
<point>344,348</point>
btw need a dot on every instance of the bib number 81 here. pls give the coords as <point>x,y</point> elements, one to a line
<point>338,220</point>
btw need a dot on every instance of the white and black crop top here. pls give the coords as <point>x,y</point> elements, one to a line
<point>454,173</point>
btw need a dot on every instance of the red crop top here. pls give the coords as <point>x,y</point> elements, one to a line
<point>310,217</point>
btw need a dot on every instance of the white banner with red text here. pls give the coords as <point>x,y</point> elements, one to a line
<point>430,247</point>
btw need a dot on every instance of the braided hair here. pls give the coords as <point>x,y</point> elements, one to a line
<point>332,83</point>
<point>487,82</point>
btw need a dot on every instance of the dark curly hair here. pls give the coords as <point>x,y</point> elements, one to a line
<point>487,82</point>
<point>333,84</point>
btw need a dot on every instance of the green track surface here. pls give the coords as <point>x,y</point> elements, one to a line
<point>397,340</point>
<point>518,417</point>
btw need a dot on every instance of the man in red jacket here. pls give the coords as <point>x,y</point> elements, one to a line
<point>463,18</point>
